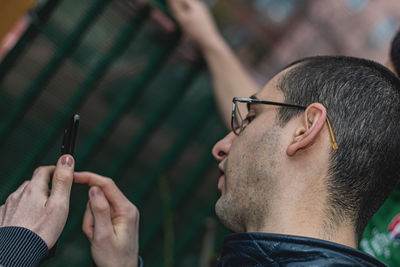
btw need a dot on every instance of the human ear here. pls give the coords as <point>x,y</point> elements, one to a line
<point>307,132</point>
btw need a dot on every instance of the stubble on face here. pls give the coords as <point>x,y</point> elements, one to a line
<point>251,172</point>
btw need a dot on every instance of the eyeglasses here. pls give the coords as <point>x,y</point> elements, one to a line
<point>238,124</point>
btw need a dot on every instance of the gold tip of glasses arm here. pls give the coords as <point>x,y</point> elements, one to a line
<point>335,146</point>
<point>332,135</point>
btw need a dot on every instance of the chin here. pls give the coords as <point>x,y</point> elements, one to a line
<point>224,215</point>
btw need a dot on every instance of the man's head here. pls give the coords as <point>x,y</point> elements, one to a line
<point>285,154</point>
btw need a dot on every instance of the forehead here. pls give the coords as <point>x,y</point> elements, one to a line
<point>271,91</point>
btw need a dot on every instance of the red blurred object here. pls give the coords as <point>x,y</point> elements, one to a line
<point>13,35</point>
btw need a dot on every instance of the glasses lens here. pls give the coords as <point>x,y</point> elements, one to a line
<point>236,120</point>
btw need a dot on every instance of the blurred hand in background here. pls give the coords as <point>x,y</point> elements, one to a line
<point>196,21</point>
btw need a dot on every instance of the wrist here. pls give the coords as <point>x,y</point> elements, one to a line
<point>213,45</point>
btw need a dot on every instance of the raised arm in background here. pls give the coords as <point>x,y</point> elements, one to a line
<point>229,77</point>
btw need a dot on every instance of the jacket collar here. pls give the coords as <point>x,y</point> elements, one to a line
<point>261,249</point>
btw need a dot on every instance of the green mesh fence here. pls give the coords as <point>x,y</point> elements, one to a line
<point>147,120</point>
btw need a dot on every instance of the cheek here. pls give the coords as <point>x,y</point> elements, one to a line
<point>241,158</point>
<point>251,156</point>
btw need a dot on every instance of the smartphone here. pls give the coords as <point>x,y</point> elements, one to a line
<point>70,133</point>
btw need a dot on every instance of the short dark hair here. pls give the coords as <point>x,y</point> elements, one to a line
<point>362,99</point>
<point>395,52</point>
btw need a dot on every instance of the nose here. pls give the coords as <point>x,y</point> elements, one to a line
<point>222,147</point>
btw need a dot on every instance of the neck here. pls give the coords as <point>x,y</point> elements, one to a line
<point>293,214</point>
<point>311,228</point>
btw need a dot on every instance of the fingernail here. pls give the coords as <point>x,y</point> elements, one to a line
<point>67,161</point>
<point>94,191</point>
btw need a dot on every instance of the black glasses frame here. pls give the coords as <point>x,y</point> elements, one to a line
<point>240,128</point>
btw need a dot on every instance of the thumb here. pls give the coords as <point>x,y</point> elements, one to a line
<point>88,222</point>
<point>101,211</point>
<point>62,179</point>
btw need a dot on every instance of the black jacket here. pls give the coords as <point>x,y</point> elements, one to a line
<point>259,249</point>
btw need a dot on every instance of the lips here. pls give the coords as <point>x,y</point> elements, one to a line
<point>221,166</point>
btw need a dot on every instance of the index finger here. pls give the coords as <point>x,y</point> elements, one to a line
<point>116,198</point>
<point>41,178</point>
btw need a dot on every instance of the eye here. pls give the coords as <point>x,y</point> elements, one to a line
<point>247,121</point>
<point>249,118</point>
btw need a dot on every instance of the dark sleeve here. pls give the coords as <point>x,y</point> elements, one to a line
<point>21,247</point>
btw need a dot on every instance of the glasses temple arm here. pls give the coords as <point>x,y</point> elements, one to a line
<point>332,135</point>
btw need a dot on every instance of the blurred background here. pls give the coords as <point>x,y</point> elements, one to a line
<point>148,118</point>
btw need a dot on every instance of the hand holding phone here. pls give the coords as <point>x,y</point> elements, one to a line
<point>67,147</point>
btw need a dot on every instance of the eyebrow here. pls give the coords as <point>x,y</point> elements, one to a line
<point>254,96</point>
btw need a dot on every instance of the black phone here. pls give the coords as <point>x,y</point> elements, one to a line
<point>70,133</point>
